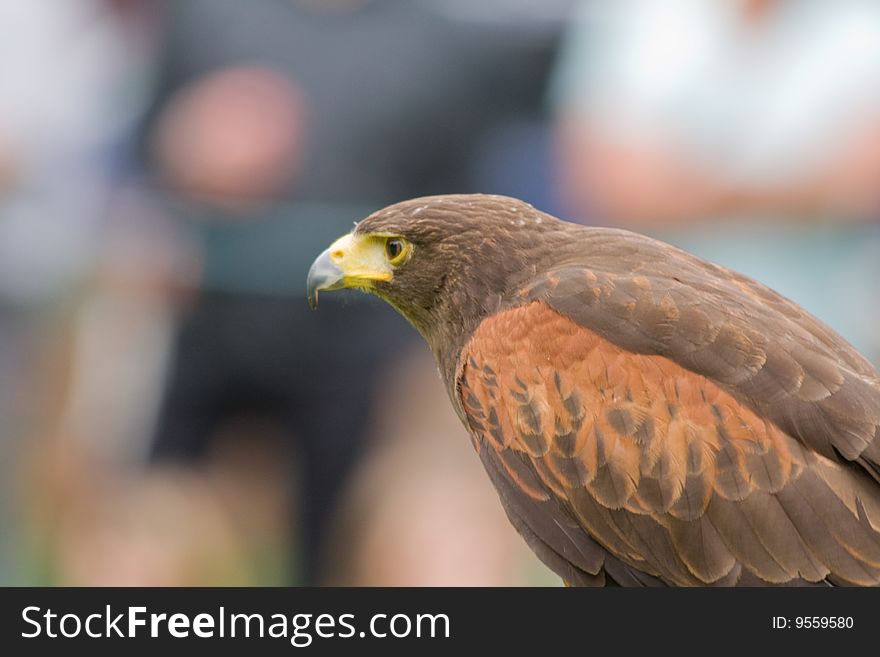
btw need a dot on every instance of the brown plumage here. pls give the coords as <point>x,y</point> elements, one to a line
<point>647,417</point>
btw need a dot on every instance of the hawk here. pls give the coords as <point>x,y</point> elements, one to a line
<point>647,417</point>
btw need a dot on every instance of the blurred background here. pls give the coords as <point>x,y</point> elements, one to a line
<point>171,413</point>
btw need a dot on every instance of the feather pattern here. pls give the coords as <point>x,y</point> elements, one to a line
<point>664,469</point>
<point>646,416</point>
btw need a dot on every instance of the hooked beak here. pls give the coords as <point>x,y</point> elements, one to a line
<point>323,275</point>
<point>351,261</point>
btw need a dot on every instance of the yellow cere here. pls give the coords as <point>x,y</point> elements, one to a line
<point>363,258</point>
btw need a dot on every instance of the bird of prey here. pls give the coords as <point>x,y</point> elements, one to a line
<point>647,417</point>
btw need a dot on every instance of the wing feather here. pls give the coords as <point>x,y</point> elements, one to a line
<point>648,297</point>
<point>628,462</point>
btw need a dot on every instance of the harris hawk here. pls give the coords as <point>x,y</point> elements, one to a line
<point>647,417</point>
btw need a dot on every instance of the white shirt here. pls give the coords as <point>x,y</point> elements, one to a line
<point>753,101</point>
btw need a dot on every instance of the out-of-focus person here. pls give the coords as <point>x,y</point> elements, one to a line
<point>747,130</point>
<point>69,92</point>
<point>689,110</point>
<point>275,126</point>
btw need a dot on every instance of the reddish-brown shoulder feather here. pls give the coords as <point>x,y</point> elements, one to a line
<point>650,298</point>
<point>631,465</point>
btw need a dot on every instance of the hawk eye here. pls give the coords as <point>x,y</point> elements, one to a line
<point>395,249</point>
